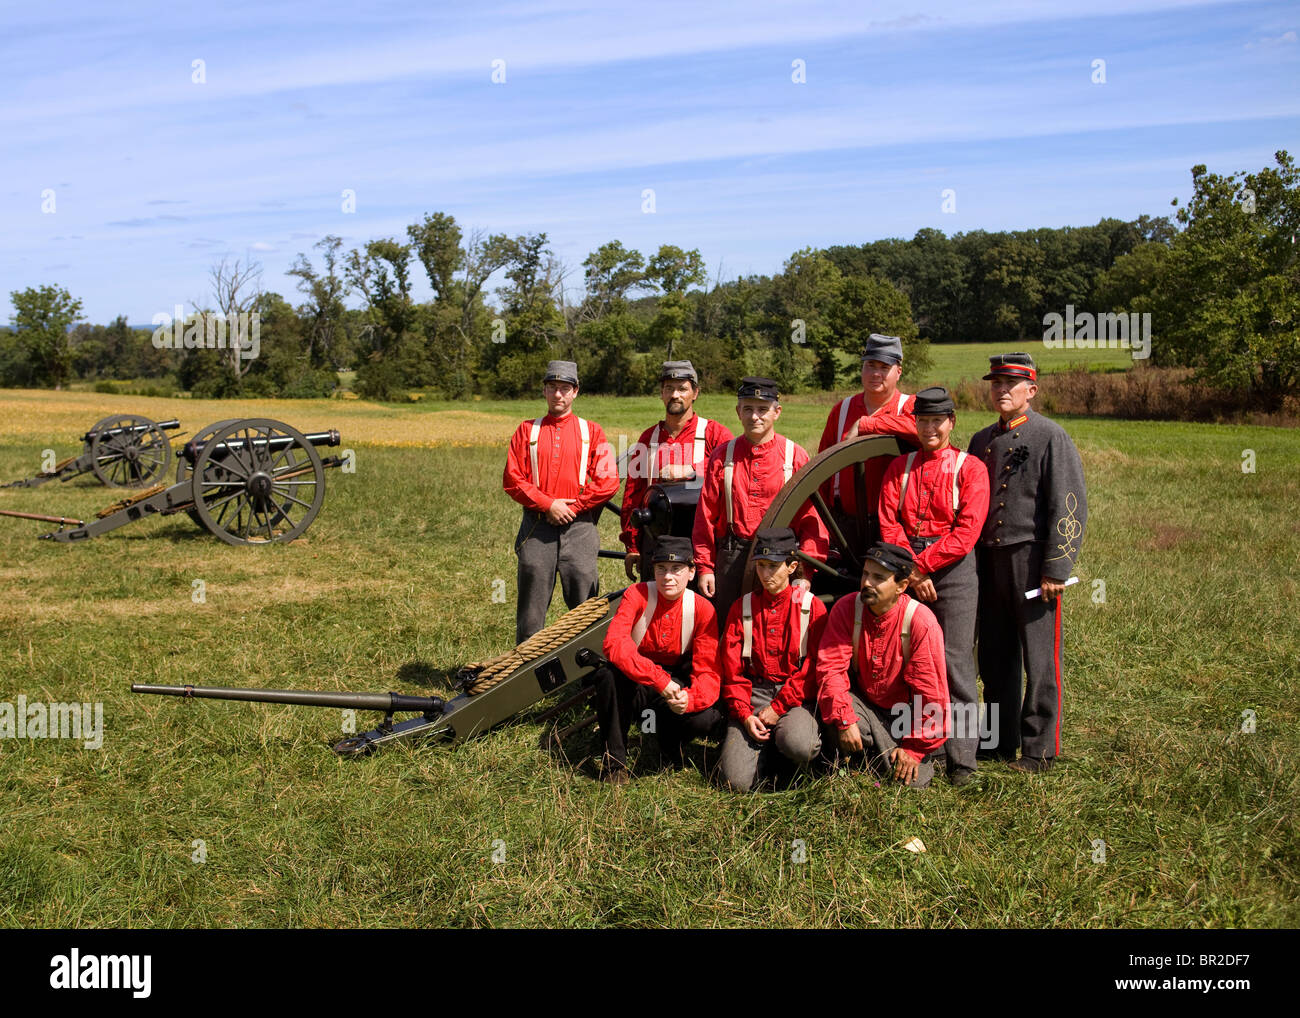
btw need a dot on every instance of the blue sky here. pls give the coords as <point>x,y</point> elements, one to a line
<point>156,177</point>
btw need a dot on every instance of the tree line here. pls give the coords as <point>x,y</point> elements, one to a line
<point>1219,278</point>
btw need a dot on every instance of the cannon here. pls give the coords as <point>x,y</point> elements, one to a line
<point>123,451</point>
<point>246,481</point>
<point>555,660</point>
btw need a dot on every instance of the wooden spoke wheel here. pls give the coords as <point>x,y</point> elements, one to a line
<point>256,481</point>
<point>183,469</point>
<point>847,543</point>
<point>129,452</point>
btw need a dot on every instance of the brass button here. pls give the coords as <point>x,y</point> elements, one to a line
<point>1003,488</point>
<point>1002,505</point>
<point>997,540</point>
<point>999,523</point>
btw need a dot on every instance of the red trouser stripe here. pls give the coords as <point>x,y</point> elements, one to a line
<point>1056,661</point>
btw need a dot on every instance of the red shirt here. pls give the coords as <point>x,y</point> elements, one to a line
<point>559,446</point>
<point>758,474</point>
<point>897,417</point>
<point>885,682</point>
<point>927,506</point>
<point>774,654</point>
<point>661,647</point>
<point>671,451</point>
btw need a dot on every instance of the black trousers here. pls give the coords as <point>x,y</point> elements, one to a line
<point>620,703</point>
<point>732,564</point>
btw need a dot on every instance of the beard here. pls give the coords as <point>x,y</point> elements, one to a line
<point>676,406</point>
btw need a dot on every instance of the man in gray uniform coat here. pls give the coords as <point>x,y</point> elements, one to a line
<point>1031,538</point>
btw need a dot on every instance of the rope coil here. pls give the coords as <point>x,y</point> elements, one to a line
<point>131,500</point>
<point>481,676</point>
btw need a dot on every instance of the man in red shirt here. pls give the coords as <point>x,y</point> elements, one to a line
<point>741,479</point>
<point>662,648</point>
<point>881,684</point>
<point>879,409</point>
<point>935,501</point>
<point>767,653</point>
<point>562,471</point>
<point>675,449</point>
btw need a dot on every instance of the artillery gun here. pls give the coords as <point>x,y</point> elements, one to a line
<point>246,481</point>
<point>560,656</point>
<point>123,451</point>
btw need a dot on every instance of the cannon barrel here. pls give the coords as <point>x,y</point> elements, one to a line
<point>386,702</point>
<point>171,425</point>
<point>330,438</point>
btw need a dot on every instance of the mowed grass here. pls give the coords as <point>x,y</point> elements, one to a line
<point>393,589</point>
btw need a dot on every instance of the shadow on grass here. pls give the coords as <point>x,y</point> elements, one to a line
<point>421,673</point>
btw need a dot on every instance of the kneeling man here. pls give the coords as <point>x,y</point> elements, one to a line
<point>768,647</point>
<point>662,648</point>
<point>881,683</point>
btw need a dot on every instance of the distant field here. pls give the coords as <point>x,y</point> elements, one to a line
<point>955,361</point>
<point>1184,620</point>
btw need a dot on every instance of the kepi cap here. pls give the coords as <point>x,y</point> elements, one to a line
<point>1014,365</point>
<point>673,549</point>
<point>933,401</point>
<point>673,371</point>
<point>893,557</point>
<point>886,349</point>
<point>561,371</point>
<point>754,387</point>
<point>775,544</point>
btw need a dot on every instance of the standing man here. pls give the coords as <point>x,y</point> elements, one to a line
<point>675,449</point>
<point>1037,511</point>
<point>879,409</point>
<point>768,648</point>
<point>881,686</point>
<point>662,646</point>
<point>935,501</point>
<point>562,471</point>
<point>741,479</point>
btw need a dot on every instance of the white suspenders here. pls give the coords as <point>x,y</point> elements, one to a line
<point>906,635</point>
<point>844,420</point>
<point>535,434</point>
<point>701,424</point>
<point>642,623</point>
<point>728,472</point>
<point>747,625</point>
<point>907,469</point>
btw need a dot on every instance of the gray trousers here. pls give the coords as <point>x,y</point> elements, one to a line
<point>878,744</point>
<point>1016,635</point>
<point>956,609</point>
<point>545,550</point>
<point>795,736</point>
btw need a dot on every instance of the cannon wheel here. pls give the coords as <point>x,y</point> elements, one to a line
<point>257,494</point>
<point>803,487</point>
<point>183,469</point>
<point>133,459</point>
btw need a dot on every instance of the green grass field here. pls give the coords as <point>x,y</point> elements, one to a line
<point>392,589</point>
